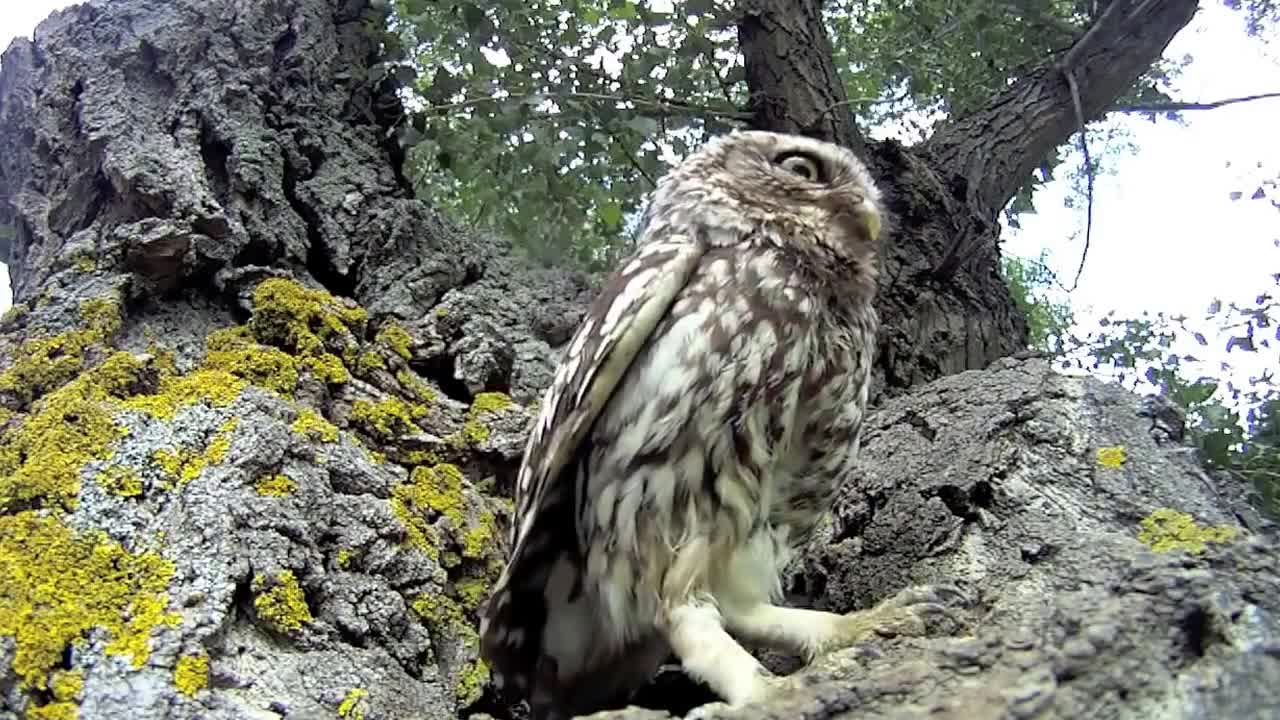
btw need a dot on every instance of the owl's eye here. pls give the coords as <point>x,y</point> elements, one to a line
<point>801,164</point>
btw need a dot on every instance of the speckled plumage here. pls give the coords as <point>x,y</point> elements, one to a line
<point>699,424</point>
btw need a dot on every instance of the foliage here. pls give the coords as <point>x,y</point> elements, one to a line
<point>1258,14</point>
<point>1030,281</point>
<point>1236,426</point>
<point>550,121</point>
<point>530,130</point>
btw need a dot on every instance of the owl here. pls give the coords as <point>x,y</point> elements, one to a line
<point>697,429</point>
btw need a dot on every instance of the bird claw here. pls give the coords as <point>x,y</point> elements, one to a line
<point>911,612</point>
<point>770,686</point>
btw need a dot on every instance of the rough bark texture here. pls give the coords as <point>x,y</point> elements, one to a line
<point>944,305</point>
<point>934,325</point>
<point>992,480</point>
<point>226,491</point>
<point>993,151</point>
<point>790,72</point>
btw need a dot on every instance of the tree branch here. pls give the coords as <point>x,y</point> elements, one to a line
<point>663,108</point>
<point>791,76</point>
<point>993,151</point>
<point>1157,107</point>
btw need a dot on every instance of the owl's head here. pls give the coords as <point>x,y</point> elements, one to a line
<point>805,191</point>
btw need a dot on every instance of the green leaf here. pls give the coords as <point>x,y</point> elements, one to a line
<point>610,214</point>
<point>624,11</point>
<point>643,125</point>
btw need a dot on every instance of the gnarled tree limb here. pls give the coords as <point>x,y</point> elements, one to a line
<point>994,150</point>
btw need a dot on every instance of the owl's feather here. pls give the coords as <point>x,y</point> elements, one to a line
<point>617,324</point>
<point>702,418</point>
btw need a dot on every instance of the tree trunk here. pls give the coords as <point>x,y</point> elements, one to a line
<point>260,408</point>
<point>944,306</point>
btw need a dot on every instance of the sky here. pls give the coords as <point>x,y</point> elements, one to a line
<point>1166,234</point>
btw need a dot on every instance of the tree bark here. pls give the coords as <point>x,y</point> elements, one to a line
<point>944,306</point>
<point>791,77</point>
<point>989,154</point>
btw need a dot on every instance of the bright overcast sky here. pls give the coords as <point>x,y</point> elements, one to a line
<point>1166,234</point>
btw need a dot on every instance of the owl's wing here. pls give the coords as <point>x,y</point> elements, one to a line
<point>610,336</point>
<point>615,328</point>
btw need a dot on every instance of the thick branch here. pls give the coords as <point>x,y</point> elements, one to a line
<point>995,149</point>
<point>790,71</point>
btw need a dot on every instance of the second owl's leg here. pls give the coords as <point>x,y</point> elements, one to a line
<point>708,653</point>
<point>811,633</point>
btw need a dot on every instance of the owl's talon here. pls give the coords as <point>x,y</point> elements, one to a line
<point>772,686</point>
<point>911,612</point>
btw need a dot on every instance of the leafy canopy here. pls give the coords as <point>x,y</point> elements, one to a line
<point>550,121</point>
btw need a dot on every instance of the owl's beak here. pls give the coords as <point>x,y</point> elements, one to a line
<point>869,217</point>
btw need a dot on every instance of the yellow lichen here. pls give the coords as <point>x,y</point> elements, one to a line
<point>1167,529</point>
<point>283,605</point>
<point>301,319</point>
<point>440,611</point>
<point>396,338</point>
<point>344,558</point>
<point>442,312</point>
<point>186,464</point>
<point>474,431</point>
<point>352,705</point>
<point>413,384</point>
<point>275,485</point>
<point>191,674</point>
<point>472,592</point>
<point>121,480</point>
<point>327,367</point>
<point>67,685</point>
<point>478,539</point>
<point>234,350</point>
<point>388,417</point>
<point>313,425</point>
<point>488,402</point>
<point>218,388</point>
<point>101,317</point>
<point>447,617</point>
<point>57,585</point>
<point>60,710</point>
<point>419,457</point>
<point>1112,457</point>
<point>44,364</point>
<point>369,361</point>
<point>85,263</point>
<point>469,686</point>
<point>437,491</point>
<point>15,314</point>
<point>41,459</point>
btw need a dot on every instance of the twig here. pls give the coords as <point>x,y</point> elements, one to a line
<point>872,100</point>
<point>667,108</point>
<point>1179,106</point>
<point>634,162</point>
<point>1088,173</point>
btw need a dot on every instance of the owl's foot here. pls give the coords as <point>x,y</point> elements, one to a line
<point>767,686</point>
<point>912,612</point>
